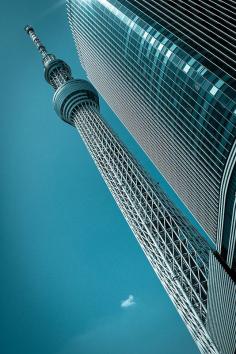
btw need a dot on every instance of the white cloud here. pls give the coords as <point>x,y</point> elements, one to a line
<point>128,302</point>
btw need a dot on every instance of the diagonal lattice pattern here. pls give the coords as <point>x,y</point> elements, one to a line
<point>177,253</point>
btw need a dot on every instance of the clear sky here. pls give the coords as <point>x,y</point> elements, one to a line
<point>68,259</point>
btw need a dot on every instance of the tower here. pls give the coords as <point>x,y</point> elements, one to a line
<point>176,251</point>
<point>167,69</point>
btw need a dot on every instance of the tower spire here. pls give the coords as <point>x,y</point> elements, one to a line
<point>70,93</point>
<point>35,39</point>
<point>56,71</point>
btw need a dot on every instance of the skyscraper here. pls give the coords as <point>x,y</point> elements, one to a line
<point>168,70</point>
<point>176,251</point>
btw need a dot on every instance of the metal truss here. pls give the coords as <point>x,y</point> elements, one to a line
<point>176,251</point>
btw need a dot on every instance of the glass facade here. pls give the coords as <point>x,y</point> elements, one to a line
<point>221,309</point>
<point>167,70</point>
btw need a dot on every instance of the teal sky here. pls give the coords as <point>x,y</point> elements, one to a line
<point>68,258</point>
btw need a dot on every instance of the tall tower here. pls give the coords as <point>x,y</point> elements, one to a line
<point>168,70</point>
<point>176,251</point>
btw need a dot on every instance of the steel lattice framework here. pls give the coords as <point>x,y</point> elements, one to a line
<point>176,251</point>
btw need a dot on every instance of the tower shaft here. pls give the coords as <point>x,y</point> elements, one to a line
<point>175,250</point>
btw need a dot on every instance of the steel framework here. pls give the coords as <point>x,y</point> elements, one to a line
<point>176,251</point>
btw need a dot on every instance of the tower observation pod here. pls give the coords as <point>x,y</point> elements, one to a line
<point>175,250</point>
<point>71,95</point>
